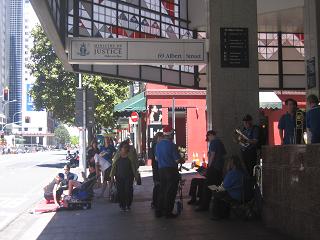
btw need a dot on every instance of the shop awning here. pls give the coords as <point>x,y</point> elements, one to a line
<point>134,104</point>
<point>269,100</point>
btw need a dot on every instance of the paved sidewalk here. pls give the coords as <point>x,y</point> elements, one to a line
<point>105,221</point>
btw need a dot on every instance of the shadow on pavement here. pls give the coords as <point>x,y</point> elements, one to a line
<point>53,165</point>
<point>105,221</point>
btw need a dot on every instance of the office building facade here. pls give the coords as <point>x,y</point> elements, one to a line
<point>4,53</point>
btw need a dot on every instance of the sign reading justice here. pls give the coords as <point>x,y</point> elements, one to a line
<point>136,51</point>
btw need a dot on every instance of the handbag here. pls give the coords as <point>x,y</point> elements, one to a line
<point>113,194</point>
<point>138,179</point>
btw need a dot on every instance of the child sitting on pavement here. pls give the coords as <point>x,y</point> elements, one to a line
<point>53,190</point>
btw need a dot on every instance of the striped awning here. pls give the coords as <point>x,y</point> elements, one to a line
<point>134,104</point>
<point>269,100</point>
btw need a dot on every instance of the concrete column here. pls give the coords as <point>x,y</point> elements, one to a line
<point>232,91</point>
<point>312,39</point>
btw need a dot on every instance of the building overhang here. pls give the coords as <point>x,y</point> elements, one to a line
<point>273,16</point>
<point>42,9</point>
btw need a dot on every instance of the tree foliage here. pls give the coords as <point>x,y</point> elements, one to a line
<point>62,135</point>
<point>54,88</point>
<point>74,140</point>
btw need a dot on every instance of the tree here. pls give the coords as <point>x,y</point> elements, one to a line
<point>74,140</point>
<point>54,88</point>
<point>62,135</point>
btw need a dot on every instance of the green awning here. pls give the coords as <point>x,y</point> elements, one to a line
<point>134,104</point>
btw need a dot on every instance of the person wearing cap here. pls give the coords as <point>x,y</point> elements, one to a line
<point>214,171</point>
<point>313,118</point>
<point>249,152</point>
<point>168,158</point>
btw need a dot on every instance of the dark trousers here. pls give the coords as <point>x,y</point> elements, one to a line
<point>125,191</point>
<point>249,157</point>
<point>169,179</point>
<point>213,177</point>
<point>196,188</point>
<point>49,196</point>
<point>156,183</point>
<point>221,204</point>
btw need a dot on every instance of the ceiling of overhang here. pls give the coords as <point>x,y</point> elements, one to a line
<point>289,20</point>
<point>273,15</point>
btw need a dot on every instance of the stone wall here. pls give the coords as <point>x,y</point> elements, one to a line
<point>291,189</point>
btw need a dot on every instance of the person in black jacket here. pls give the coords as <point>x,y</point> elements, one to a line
<point>93,150</point>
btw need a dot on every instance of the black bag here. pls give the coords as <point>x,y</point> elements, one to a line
<point>138,180</point>
<point>113,194</point>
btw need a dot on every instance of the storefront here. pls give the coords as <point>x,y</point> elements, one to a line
<point>189,116</point>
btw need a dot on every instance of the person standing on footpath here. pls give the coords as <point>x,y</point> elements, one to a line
<point>124,172</point>
<point>168,158</point>
<point>287,123</point>
<point>155,170</point>
<point>313,118</point>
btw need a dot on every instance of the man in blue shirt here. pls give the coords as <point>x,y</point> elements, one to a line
<point>249,153</point>
<point>287,123</point>
<point>168,158</point>
<point>313,118</point>
<point>213,175</point>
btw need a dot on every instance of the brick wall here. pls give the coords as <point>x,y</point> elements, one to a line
<point>291,189</point>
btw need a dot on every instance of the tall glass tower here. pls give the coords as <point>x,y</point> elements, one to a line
<point>15,58</point>
<point>4,52</point>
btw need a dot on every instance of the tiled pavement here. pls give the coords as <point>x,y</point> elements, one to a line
<point>105,221</point>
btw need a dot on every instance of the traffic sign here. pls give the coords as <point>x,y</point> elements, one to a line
<point>134,117</point>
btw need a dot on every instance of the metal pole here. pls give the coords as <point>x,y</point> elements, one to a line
<point>83,152</point>
<point>174,119</point>
<point>84,135</point>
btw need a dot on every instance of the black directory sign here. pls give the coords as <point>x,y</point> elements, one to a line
<point>234,47</point>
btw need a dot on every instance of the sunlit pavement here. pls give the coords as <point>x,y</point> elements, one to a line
<point>105,221</point>
<point>22,178</point>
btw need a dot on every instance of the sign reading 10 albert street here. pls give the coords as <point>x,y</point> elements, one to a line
<point>136,51</point>
<point>234,47</point>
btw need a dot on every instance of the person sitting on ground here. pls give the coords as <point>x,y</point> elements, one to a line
<point>53,190</point>
<point>77,184</point>
<point>124,171</point>
<point>93,150</point>
<point>67,177</point>
<point>232,189</point>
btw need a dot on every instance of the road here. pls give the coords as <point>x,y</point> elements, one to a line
<point>22,178</point>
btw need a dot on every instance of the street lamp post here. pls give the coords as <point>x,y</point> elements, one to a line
<point>4,105</point>
<point>13,117</point>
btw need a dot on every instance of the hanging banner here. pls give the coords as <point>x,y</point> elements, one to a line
<point>136,51</point>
